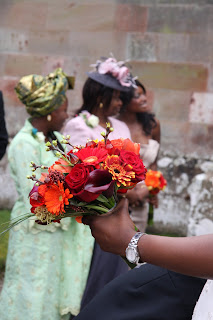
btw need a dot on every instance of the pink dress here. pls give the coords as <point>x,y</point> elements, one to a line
<point>80,132</point>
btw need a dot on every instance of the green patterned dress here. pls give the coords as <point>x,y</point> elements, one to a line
<point>47,266</point>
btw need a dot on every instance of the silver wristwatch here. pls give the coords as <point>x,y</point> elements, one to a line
<point>132,254</point>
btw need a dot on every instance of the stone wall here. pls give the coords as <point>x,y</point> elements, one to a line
<point>169,45</point>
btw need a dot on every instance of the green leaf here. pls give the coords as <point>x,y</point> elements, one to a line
<point>102,198</point>
<point>98,208</point>
<point>76,203</point>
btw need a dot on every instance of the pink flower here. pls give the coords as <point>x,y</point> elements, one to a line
<point>109,66</point>
<point>123,76</point>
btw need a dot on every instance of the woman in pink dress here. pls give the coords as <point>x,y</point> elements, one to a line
<point>101,102</point>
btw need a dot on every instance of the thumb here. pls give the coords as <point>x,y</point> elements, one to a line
<point>122,208</point>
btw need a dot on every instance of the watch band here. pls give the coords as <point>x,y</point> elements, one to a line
<point>133,244</point>
<point>135,238</point>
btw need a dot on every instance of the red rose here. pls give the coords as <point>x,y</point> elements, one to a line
<point>128,157</point>
<point>77,178</point>
<point>87,186</point>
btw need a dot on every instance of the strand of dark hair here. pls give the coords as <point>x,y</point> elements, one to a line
<point>93,94</point>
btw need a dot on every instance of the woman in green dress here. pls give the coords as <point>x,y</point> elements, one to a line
<point>47,266</point>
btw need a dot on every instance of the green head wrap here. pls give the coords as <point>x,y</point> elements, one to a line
<point>42,95</point>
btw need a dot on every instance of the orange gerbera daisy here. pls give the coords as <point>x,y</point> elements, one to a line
<point>122,174</point>
<point>155,181</point>
<point>56,197</point>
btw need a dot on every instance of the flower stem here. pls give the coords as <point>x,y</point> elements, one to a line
<point>151,214</point>
<point>98,208</point>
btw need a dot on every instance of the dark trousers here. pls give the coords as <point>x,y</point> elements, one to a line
<point>148,292</point>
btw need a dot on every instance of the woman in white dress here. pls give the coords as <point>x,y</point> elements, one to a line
<point>145,129</point>
<point>189,255</point>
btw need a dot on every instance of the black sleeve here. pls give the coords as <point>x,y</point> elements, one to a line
<point>3,130</point>
<point>145,293</point>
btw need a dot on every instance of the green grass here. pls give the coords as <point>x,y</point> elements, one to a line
<point>4,217</point>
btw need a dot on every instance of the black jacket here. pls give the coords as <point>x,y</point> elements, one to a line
<point>149,293</point>
<point>3,130</point>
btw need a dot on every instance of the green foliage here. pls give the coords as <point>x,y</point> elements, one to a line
<point>4,217</point>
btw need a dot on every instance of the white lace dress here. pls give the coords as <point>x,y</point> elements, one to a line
<point>204,307</point>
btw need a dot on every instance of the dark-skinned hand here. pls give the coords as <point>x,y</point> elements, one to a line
<point>114,230</point>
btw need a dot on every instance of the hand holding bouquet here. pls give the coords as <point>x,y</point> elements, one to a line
<point>155,182</point>
<point>84,181</point>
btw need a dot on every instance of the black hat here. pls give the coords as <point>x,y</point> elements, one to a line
<point>113,74</point>
<point>108,80</point>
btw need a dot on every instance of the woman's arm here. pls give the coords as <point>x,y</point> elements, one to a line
<point>156,133</point>
<point>191,256</point>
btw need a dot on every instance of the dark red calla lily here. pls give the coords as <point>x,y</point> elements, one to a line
<point>36,199</point>
<point>98,182</point>
<point>34,189</point>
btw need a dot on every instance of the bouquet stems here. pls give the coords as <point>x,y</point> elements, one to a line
<point>151,214</point>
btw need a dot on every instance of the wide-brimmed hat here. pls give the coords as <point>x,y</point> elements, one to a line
<point>113,74</point>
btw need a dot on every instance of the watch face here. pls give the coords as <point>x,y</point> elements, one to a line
<point>131,254</point>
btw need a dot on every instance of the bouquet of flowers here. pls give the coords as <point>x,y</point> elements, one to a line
<point>84,181</point>
<point>155,182</point>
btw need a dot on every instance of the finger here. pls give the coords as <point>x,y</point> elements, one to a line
<point>123,207</point>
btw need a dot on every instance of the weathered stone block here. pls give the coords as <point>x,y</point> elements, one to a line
<point>15,118</point>
<point>172,104</point>
<point>178,19</point>
<point>21,65</point>
<point>48,42</point>
<point>12,40</point>
<point>179,48</point>
<point>174,136</point>
<point>169,2</point>
<point>130,17</point>
<point>201,108</point>
<point>199,140</point>
<point>81,17</point>
<point>7,87</point>
<point>142,46</point>
<point>210,79</point>
<point>2,64</point>
<point>114,42</point>
<point>201,205</point>
<point>15,113</point>
<point>200,47</point>
<point>24,14</point>
<point>172,76</point>
<point>193,140</point>
<point>172,214</point>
